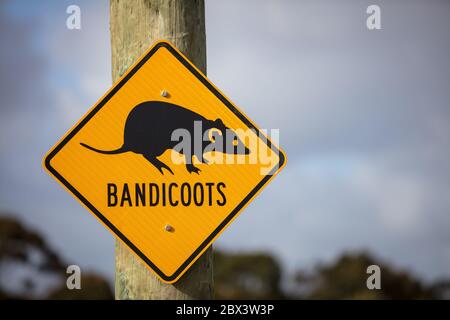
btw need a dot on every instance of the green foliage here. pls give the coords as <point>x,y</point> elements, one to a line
<point>16,245</point>
<point>237,275</point>
<point>94,287</point>
<point>346,279</point>
<point>246,276</point>
<point>16,241</point>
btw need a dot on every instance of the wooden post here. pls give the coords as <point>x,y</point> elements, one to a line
<point>135,25</point>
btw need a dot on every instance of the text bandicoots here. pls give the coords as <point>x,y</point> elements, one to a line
<point>166,194</point>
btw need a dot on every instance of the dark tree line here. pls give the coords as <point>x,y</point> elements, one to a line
<point>27,250</point>
<point>237,275</point>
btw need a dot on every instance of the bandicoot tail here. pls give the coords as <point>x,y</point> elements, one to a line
<point>117,151</point>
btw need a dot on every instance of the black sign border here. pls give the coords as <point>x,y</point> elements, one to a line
<point>117,232</point>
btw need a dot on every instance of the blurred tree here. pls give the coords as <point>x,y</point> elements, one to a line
<point>94,287</point>
<point>26,251</point>
<point>20,247</point>
<point>237,275</point>
<point>441,289</point>
<point>346,279</point>
<point>246,276</point>
<point>17,242</point>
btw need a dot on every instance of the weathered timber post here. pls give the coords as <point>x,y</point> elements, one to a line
<point>135,25</point>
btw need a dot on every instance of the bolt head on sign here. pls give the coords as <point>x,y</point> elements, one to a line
<point>165,161</point>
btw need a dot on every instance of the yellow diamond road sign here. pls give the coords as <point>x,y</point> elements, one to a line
<point>165,161</point>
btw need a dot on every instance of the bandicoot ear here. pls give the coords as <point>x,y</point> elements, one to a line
<point>213,134</point>
<point>219,123</point>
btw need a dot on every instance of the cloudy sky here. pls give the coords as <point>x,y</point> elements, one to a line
<point>364,118</point>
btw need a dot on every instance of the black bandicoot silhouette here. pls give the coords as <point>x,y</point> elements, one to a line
<point>149,128</point>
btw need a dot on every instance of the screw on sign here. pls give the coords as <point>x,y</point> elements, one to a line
<point>165,161</point>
